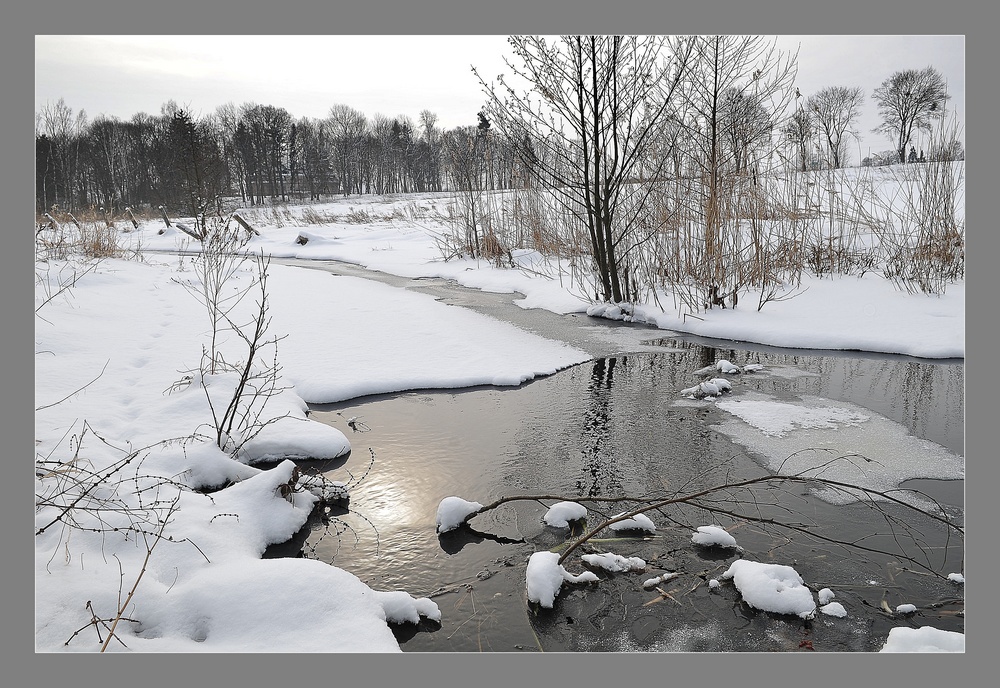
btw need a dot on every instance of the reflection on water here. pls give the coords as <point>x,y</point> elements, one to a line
<point>604,428</point>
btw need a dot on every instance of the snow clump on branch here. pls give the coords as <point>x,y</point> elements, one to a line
<point>453,512</point>
<point>561,514</point>
<point>545,576</point>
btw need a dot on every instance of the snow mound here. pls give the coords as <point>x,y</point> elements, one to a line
<point>923,639</point>
<point>834,609</point>
<point>401,607</point>
<point>610,311</point>
<point>825,596</point>
<point>772,588</point>
<point>726,367</point>
<point>707,389</point>
<point>709,536</point>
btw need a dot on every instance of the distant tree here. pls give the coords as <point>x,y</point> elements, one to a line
<point>64,132</point>
<point>799,131</point>
<point>45,174</point>
<point>951,150</point>
<point>835,109</point>
<point>348,129</point>
<point>313,146</point>
<point>198,166</point>
<point>747,126</point>
<point>907,101</point>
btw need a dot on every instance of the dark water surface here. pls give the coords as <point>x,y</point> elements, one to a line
<point>613,427</point>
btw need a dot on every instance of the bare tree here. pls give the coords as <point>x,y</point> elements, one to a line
<point>348,128</point>
<point>798,132</point>
<point>64,132</point>
<point>590,113</point>
<point>720,67</point>
<point>907,101</point>
<point>835,109</point>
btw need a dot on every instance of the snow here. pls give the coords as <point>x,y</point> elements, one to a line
<point>615,563</point>
<point>825,596</point>
<point>713,536</point>
<point>778,418</point>
<point>117,379</point>
<point>843,313</point>
<point>923,639</point>
<point>453,511</point>
<point>545,575</point>
<point>771,588</point>
<point>819,437</point>
<point>834,609</point>
<point>561,514</point>
<point>637,522</point>
<point>651,582</point>
<point>726,367</point>
<point>905,609</point>
<point>956,577</point>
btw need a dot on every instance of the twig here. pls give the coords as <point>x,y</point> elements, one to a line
<point>145,562</point>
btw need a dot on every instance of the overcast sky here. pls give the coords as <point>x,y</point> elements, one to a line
<point>123,75</point>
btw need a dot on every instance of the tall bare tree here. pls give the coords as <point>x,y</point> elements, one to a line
<point>590,111</point>
<point>347,128</point>
<point>907,101</point>
<point>835,109</point>
<point>64,132</point>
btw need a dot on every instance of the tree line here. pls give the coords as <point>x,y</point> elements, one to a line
<point>257,153</point>
<point>254,154</point>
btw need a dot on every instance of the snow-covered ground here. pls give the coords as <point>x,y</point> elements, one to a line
<point>118,384</point>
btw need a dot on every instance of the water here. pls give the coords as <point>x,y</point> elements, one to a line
<point>616,426</point>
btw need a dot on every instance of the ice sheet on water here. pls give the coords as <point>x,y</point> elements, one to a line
<point>835,440</point>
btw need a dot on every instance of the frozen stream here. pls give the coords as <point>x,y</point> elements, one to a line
<point>617,425</point>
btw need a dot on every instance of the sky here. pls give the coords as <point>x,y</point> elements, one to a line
<point>123,75</point>
<point>373,338</point>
